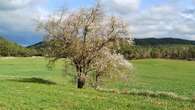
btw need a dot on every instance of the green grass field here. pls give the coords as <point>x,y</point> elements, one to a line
<point>152,74</point>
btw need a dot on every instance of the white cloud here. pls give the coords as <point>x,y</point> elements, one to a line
<point>17,4</point>
<point>13,4</point>
<point>17,18</point>
<point>121,6</point>
<point>164,21</point>
<point>169,19</point>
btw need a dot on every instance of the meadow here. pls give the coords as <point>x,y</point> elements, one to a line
<point>27,84</point>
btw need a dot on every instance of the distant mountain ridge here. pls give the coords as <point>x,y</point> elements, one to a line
<point>36,45</point>
<point>142,42</point>
<point>163,41</point>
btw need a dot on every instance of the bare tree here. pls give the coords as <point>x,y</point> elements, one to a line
<point>86,37</point>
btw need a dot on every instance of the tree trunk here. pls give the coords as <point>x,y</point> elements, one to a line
<point>96,80</point>
<point>80,82</point>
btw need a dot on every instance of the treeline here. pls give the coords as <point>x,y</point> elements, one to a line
<point>148,48</point>
<point>8,48</point>
<point>158,51</point>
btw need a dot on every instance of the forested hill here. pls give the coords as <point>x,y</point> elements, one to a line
<point>9,48</point>
<point>37,45</point>
<point>163,41</point>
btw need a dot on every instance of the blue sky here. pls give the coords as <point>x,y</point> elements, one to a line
<point>147,18</point>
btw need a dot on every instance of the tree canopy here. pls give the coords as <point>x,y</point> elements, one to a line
<point>86,37</point>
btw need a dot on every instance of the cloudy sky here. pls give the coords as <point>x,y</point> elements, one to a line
<point>147,18</point>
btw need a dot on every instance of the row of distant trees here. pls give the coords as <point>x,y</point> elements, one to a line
<point>129,51</point>
<point>158,51</point>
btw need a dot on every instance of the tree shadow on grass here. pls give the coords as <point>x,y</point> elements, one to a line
<point>33,80</point>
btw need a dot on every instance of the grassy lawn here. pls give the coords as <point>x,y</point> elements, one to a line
<point>166,75</point>
<point>163,75</point>
<point>156,75</point>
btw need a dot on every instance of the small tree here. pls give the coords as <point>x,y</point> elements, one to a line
<point>86,37</point>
